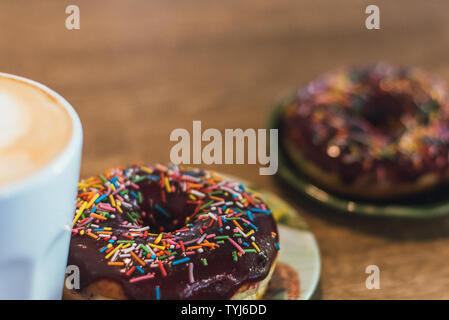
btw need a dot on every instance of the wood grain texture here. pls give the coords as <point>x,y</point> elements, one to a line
<point>138,69</point>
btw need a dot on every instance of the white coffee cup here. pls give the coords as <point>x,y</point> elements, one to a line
<point>36,212</point>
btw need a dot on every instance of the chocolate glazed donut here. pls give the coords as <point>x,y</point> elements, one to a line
<point>374,132</point>
<point>170,233</point>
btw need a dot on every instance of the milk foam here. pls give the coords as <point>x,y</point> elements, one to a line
<point>10,123</point>
<point>34,129</point>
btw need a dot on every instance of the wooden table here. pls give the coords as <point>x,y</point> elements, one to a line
<point>136,70</point>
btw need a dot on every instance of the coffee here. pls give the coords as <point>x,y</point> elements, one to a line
<point>40,156</point>
<point>34,128</point>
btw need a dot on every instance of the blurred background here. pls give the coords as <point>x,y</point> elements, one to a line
<point>137,69</point>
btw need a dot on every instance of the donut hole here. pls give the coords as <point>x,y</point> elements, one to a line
<point>384,112</point>
<point>164,211</point>
<point>162,224</point>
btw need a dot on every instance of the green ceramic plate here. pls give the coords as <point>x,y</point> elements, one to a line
<point>426,205</point>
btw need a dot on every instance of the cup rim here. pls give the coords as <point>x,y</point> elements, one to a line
<point>65,155</point>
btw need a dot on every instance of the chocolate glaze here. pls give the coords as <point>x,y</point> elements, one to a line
<point>219,280</point>
<point>374,112</point>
